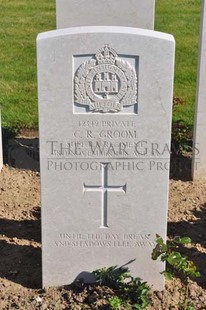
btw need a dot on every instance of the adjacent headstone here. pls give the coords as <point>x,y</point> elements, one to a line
<point>23,153</point>
<point>130,13</point>
<point>105,127</point>
<point>199,138</point>
<point>1,146</point>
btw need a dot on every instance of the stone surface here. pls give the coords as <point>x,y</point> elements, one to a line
<point>104,149</point>
<point>1,146</point>
<point>23,153</point>
<point>199,139</point>
<point>130,13</point>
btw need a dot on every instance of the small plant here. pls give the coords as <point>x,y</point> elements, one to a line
<point>115,303</point>
<point>177,265</point>
<point>130,292</point>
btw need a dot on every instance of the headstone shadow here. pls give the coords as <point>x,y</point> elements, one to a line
<point>180,168</point>
<point>20,256</point>
<point>26,229</point>
<point>21,264</point>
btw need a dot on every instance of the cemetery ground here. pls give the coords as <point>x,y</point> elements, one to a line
<point>20,247</point>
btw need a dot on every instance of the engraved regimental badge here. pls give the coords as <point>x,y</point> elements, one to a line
<point>105,83</point>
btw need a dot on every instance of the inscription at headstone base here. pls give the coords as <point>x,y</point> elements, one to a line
<point>199,138</point>
<point>105,126</point>
<point>130,13</point>
<point>1,145</point>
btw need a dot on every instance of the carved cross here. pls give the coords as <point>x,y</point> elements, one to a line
<point>104,188</point>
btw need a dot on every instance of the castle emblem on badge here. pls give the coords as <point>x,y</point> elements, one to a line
<point>105,83</point>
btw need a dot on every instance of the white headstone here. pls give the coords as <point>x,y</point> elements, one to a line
<point>130,13</point>
<point>199,138</point>
<point>105,127</point>
<point>1,146</point>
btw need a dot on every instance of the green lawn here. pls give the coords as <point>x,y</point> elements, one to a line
<point>182,19</point>
<point>22,20</point>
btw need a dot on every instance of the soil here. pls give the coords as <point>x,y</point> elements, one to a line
<point>20,249</point>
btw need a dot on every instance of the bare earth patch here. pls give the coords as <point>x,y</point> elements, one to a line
<point>20,249</point>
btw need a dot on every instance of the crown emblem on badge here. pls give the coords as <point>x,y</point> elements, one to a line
<point>106,55</point>
<point>105,83</point>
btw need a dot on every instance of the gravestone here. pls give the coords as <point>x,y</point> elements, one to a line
<point>199,138</point>
<point>23,153</point>
<point>105,127</point>
<point>130,13</point>
<point>1,146</point>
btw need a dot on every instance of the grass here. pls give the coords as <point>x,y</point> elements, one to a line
<point>182,19</point>
<point>22,20</point>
